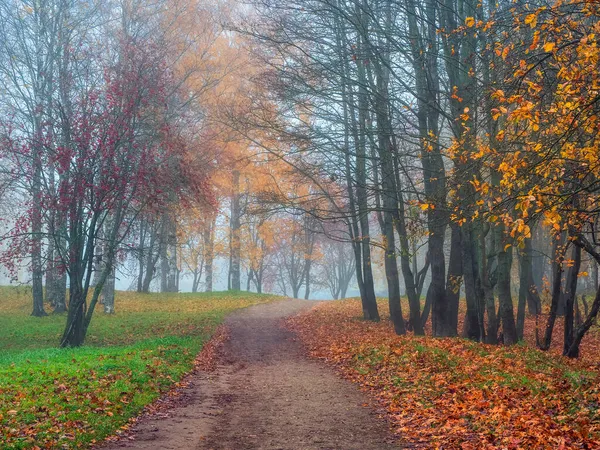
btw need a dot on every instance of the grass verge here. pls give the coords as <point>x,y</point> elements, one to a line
<point>72,398</point>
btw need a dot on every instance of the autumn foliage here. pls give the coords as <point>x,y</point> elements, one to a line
<point>455,393</point>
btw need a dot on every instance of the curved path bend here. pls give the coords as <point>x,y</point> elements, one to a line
<point>265,394</point>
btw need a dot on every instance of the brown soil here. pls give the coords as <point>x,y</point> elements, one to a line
<point>264,394</point>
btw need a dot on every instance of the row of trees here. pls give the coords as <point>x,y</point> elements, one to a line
<point>97,138</point>
<point>454,141</point>
<point>117,153</point>
<point>278,252</point>
<point>472,124</point>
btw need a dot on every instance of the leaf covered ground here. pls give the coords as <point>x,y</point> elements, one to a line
<point>71,398</point>
<point>454,393</point>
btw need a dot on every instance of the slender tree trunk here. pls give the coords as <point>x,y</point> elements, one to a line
<point>235,232</point>
<point>570,293</point>
<point>472,326</point>
<point>173,270</point>
<point>505,304</point>
<point>195,282</point>
<point>162,246</point>
<point>390,195</point>
<point>594,274</point>
<point>424,49</point>
<point>37,268</point>
<point>525,277</point>
<point>537,257</point>
<point>74,333</point>
<point>307,280</point>
<point>558,253</point>
<point>487,287</point>
<point>56,278</point>
<point>454,278</point>
<point>355,185</point>
<point>209,246</point>
<point>141,258</point>
<point>108,293</point>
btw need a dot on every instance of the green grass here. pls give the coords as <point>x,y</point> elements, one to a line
<point>71,398</point>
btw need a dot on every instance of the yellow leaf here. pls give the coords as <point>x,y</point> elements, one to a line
<point>548,47</point>
<point>470,22</point>
<point>531,20</point>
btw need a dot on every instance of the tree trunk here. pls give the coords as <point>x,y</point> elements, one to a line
<point>74,333</point>
<point>356,185</point>
<point>570,293</point>
<point>487,285</point>
<point>209,247</point>
<point>505,304</point>
<point>56,277</point>
<point>454,278</point>
<point>173,273</point>
<point>472,326</point>
<point>558,253</point>
<point>37,268</point>
<point>424,49</point>
<point>235,232</point>
<point>594,274</point>
<point>307,280</point>
<point>141,259</point>
<point>108,293</point>
<point>152,257</point>
<point>537,257</point>
<point>525,278</point>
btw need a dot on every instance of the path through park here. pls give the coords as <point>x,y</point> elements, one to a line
<point>265,394</point>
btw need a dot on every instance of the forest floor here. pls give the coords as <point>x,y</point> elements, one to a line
<point>263,393</point>
<point>455,393</point>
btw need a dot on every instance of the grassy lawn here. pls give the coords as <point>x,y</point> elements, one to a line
<point>455,393</point>
<point>71,398</point>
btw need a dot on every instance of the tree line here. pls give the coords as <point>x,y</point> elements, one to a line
<point>449,144</point>
<point>474,122</point>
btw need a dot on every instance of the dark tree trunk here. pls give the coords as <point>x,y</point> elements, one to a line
<point>454,278</point>
<point>505,304</point>
<point>526,288</point>
<point>424,49</point>
<point>570,293</point>
<point>356,185</point>
<point>37,268</point>
<point>558,253</point>
<point>56,277</point>
<point>594,274</point>
<point>151,258</point>
<point>391,201</point>
<point>472,326</point>
<point>487,285</point>
<point>168,255</point>
<point>537,258</point>
<point>74,333</point>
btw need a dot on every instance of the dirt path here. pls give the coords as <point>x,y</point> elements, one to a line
<point>264,395</point>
